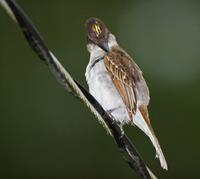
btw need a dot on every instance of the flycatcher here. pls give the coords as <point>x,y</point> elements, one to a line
<point>117,82</point>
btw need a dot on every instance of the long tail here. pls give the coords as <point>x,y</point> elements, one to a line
<point>140,122</point>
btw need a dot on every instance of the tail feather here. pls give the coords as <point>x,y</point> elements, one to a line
<point>140,122</point>
<point>151,174</point>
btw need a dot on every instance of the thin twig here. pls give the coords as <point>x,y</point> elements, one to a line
<point>38,45</point>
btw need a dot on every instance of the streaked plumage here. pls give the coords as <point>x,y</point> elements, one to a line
<point>117,83</point>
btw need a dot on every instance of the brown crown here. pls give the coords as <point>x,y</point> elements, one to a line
<point>96,31</point>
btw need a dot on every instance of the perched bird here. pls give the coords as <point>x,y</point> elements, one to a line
<point>117,82</point>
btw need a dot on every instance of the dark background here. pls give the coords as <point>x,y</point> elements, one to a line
<point>47,133</point>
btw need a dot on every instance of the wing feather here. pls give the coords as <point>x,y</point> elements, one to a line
<point>130,81</point>
<point>122,80</point>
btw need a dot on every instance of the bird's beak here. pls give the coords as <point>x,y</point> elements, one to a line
<point>104,45</point>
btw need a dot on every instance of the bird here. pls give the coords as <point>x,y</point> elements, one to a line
<point>117,82</point>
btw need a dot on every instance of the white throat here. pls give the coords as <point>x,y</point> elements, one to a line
<point>96,51</point>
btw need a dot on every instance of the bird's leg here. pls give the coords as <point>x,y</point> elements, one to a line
<point>110,111</point>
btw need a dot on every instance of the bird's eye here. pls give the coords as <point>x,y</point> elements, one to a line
<point>96,29</point>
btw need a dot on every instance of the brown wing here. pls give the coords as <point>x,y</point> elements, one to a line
<point>122,80</point>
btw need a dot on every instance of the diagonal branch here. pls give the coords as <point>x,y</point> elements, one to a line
<point>36,42</point>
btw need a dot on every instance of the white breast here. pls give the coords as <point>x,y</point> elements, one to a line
<point>102,88</point>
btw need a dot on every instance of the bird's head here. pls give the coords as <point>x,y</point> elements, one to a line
<point>97,33</point>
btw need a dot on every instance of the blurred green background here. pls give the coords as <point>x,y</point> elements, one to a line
<point>47,133</point>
